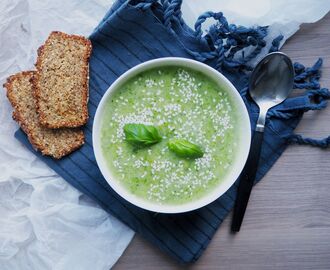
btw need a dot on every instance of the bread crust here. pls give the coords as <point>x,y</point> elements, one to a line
<point>77,134</point>
<point>85,76</point>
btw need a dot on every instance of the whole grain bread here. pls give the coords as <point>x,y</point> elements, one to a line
<point>53,142</point>
<point>61,82</point>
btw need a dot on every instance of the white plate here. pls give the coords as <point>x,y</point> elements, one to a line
<point>243,141</point>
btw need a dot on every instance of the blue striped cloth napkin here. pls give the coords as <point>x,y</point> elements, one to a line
<point>136,31</point>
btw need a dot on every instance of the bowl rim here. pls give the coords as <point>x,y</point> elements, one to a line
<point>223,186</point>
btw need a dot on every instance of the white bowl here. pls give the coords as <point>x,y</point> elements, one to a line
<point>243,141</point>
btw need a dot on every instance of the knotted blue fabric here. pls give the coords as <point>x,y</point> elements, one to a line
<point>136,31</point>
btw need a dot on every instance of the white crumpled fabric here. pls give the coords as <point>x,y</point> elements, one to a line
<point>44,222</point>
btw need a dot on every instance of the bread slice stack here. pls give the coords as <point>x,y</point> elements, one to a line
<point>50,104</point>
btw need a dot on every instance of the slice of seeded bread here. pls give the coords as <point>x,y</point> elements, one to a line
<point>53,142</point>
<point>61,82</point>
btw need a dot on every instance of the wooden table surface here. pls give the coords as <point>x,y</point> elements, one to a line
<point>287,223</point>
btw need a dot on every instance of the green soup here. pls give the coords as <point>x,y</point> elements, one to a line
<point>181,103</point>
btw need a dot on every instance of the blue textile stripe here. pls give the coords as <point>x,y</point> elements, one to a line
<point>136,31</point>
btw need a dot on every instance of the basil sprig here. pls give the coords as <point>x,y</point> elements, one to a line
<point>141,135</point>
<point>185,149</point>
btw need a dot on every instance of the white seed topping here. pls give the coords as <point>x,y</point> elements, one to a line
<point>164,103</point>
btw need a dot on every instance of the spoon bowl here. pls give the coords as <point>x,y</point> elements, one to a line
<point>271,82</point>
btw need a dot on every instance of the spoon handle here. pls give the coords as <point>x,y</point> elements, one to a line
<point>247,178</point>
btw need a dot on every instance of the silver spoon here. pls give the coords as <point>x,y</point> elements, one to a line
<point>270,84</point>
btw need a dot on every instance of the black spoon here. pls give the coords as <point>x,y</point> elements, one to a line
<point>271,82</point>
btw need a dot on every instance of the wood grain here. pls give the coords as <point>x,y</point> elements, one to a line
<point>287,223</point>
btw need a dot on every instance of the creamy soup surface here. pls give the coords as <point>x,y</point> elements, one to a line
<point>181,103</point>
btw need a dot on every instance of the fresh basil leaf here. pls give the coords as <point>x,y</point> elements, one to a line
<point>185,149</point>
<point>141,135</point>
